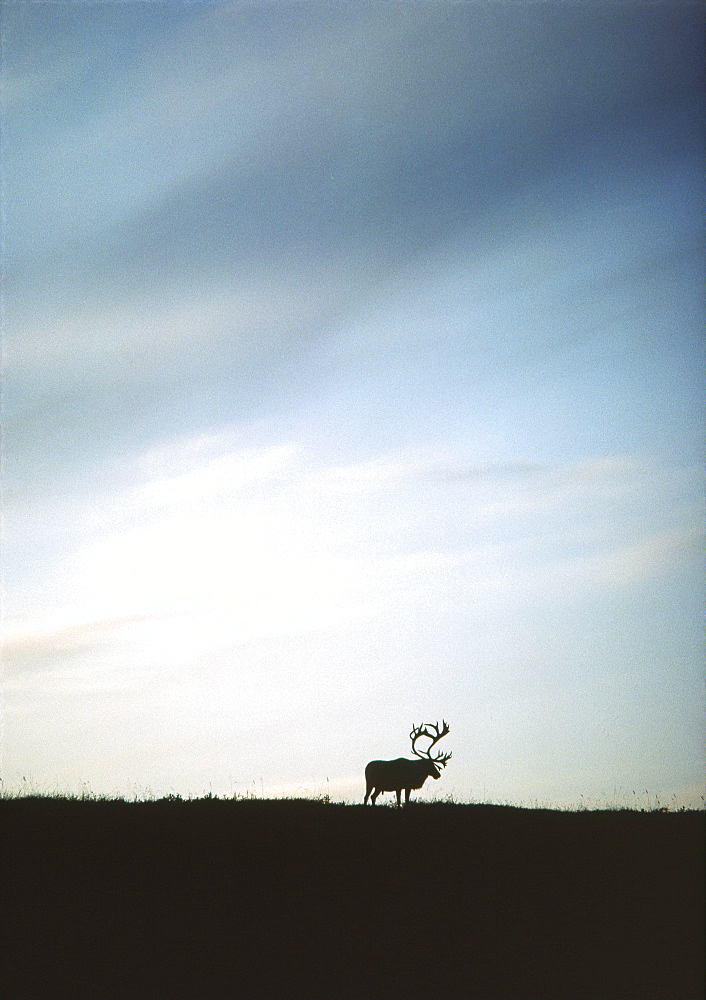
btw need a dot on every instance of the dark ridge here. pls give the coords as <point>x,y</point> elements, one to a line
<point>220,898</point>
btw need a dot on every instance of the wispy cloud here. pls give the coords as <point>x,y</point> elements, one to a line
<point>135,334</point>
<point>652,556</point>
<point>50,644</point>
<point>213,543</point>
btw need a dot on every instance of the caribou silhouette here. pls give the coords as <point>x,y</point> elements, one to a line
<point>403,773</point>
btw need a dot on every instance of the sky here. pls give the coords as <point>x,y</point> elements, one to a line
<point>353,378</point>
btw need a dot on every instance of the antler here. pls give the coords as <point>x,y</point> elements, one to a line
<point>419,731</point>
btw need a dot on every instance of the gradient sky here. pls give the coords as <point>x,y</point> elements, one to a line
<point>354,378</point>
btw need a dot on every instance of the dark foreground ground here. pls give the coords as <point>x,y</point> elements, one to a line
<point>211,899</point>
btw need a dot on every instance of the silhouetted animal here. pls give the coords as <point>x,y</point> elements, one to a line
<point>403,773</point>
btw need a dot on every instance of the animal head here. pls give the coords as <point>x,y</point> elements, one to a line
<point>434,771</point>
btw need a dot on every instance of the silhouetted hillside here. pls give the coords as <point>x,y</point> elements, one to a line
<point>212,898</point>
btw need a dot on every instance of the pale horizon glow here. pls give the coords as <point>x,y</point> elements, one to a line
<point>353,381</point>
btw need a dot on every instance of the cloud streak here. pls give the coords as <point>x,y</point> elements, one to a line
<point>212,545</point>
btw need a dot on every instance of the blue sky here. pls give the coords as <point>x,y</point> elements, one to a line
<point>353,377</point>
